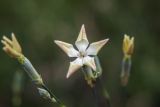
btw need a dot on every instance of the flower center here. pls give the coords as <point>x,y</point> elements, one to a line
<point>82,54</point>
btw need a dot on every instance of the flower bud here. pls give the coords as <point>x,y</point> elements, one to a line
<point>45,94</point>
<point>128,45</point>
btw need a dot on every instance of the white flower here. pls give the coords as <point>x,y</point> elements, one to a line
<point>84,52</point>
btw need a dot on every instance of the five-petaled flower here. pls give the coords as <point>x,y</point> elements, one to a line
<point>85,53</point>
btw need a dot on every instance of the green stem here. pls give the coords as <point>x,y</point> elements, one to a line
<point>17,87</point>
<point>101,95</point>
<point>53,96</point>
<point>126,68</point>
<point>99,92</point>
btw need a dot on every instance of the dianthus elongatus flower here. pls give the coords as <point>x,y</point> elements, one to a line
<point>84,54</point>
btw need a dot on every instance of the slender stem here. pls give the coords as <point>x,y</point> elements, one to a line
<point>101,95</point>
<point>125,95</point>
<point>53,96</point>
<point>99,92</point>
<point>17,87</point>
<point>94,91</point>
<point>126,68</point>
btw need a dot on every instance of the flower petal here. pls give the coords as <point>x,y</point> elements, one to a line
<point>74,66</point>
<point>82,45</point>
<point>89,61</point>
<point>67,48</point>
<point>128,45</point>
<point>131,46</point>
<point>82,41</point>
<point>16,44</point>
<point>82,34</point>
<point>96,46</point>
<point>7,40</point>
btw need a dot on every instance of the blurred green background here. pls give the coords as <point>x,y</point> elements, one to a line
<point>37,23</point>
